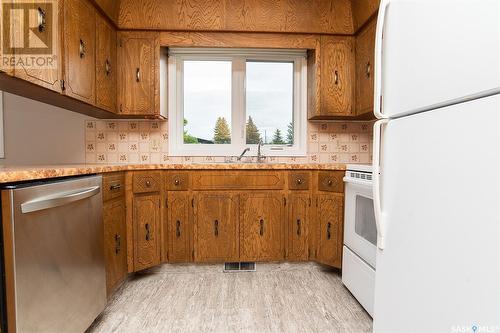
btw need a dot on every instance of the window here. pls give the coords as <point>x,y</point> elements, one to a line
<point>222,101</point>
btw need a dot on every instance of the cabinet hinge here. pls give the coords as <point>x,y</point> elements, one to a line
<point>166,202</point>
<point>192,202</point>
<point>316,202</point>
<point>192,253</point>
<point>309,201</point>
<point>284,201</point>
<point>63,87</point>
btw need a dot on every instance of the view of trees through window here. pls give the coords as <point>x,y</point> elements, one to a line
<point>269,102</point>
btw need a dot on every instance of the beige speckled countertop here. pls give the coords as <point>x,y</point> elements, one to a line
<point>10,174</point>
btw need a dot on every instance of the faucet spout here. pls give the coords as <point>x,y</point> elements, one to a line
<point>243,153</point>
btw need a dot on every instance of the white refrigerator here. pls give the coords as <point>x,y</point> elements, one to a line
<point>436,166</point>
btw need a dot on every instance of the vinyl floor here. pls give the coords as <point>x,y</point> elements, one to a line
<point>285,297</point>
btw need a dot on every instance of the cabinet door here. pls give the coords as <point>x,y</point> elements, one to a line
<point>115,245</point>
<point>45,46</point>
<point>330,218</point>
<point>216,225</point>
<point>138,59</point>
<point>262,232</point>
<point>298,226</point>
<point>178,228</point>
<point>79,50</point>
<point>337,76</point>
<point>105,65</point>
<point>365,53</point>
<point>146,230</point>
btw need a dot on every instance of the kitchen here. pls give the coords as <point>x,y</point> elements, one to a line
<point>250,166</point>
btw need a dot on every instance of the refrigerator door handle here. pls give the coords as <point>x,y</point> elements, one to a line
<point>379,34</point>
<point>379,214</point>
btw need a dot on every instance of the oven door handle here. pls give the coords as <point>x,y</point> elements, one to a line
<point>377,206</point>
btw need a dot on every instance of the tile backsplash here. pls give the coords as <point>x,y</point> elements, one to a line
<point>146,141</point>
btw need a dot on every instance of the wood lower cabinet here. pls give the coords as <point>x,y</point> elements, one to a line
<point>262,227</point>
<point>298,226</point>
<point>365,64</point>
<point>106,65</point>
<point>179,227</point>
<point>146,219</point>
<point>79,50</point>
<point>138,73</point>
<point>115,242</point>
<point>216,227</point>
<point>330,216</point>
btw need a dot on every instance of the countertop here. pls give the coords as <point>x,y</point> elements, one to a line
<point>9,174</point>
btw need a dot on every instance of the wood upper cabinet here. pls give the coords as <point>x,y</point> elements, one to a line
<point>106,65</point>
<point>115,242</point>
<point>216,227</point>
<point>365,61</point>
<point>45,45</point>
<point>179,227</point>
<point>261,226</point>
<point>79,50</point>
<point>138,73</point>
<point>146,219</point>
<point>336,78</point>
<point>330,216</point>
<point>298,226</point>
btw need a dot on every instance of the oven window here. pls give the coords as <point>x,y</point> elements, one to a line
<point>365,219</point>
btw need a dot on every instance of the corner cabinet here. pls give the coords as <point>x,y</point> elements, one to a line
<point>336,78</point>
<point>106,65</point>
<point>79,50</point>
<point>138,73</point>
<point>365,62</point>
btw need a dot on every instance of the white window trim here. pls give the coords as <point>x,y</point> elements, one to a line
<point>238,107</point>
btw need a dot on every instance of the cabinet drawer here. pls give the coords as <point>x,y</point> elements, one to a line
<point>147,182</point>
<point>331,181</point>
<point>178,181</point>
<point>299,180</point>
<point>113,186</point>
<point>238,180</point>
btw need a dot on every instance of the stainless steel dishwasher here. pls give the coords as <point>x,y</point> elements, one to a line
<point>57,254</point>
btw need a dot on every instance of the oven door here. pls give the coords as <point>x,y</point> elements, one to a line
<point>360,230</point>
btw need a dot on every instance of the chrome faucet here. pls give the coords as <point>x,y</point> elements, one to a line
<point>243,153</point>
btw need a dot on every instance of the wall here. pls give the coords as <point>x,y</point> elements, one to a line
<point>110,141</point>
<point>38,133</point>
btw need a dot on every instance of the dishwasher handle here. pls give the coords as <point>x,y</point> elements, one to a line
<point>59,199</point>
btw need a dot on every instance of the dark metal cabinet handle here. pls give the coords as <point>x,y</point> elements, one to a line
<point>299,181</point>
<point>41,20</point>
<point>177,182</point>
<point>115,187</point>
<point>107,67</point>
<point>82,48</point>
<point>368,69</point>
<point>178,228</point>
<point>148,183</point>
<point>328,232</point>
<point>298,227</point>
<point>336,77</point>
<point>261,231</point>
<point>216,228</point>
<point>329,182</point>
<point>137,75</point>
<point>148,231</point>
<point>117,243</point>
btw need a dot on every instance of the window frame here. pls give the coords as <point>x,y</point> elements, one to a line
<point>238,58</point>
